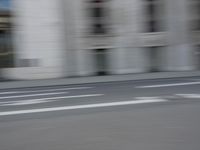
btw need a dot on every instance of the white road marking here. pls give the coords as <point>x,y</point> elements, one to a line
<point>189,95</point>
<point>14,92</point>
<point>53,98</point>
<point>47,90</point>
<point>170,96</point>
<point>148,98</point>
<point>26,102</point>
<point>31,95</point>
<point>99,105</point>
<point>197,80</point>
<point>168,85</point>
<point>61,89</point>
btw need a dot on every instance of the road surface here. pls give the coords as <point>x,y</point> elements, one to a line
<point>132,115</point>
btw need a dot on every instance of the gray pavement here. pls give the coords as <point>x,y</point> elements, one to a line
<point>95,79</point>
<point>140,115</point>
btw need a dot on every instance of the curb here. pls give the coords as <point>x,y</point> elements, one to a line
<point>95,79</point>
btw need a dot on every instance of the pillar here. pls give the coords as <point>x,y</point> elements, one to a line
<point>179,54</point>
<point>38,40</point>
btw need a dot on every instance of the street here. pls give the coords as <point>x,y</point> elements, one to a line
<point>160,114</point>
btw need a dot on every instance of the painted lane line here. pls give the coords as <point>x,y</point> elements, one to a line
<point>47,90</point>
<point>60,89</point>
<point>14,92</point>
<point>189,95</point>
<point>147,98</point>
<point>31,95</point>
<point>99,105</point>
<point>168,85</point>
<point>170,97</point>
<point>151,98</point>
<point>28,102</point>
<point>55,98</point>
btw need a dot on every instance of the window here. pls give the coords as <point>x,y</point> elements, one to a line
<point>152,20</point>
<point>98,17</point>
<point>6,50</point>
<point>98,12</point>
<point>195,8</point>
<point>99,28</point>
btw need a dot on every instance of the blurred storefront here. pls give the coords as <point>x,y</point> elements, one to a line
<point>66,38</point>
<point>6,50</point>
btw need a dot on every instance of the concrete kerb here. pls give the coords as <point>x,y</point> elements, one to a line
<point>96,79</point>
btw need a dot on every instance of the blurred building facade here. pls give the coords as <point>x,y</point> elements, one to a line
<point>65,38</point>
<point>6,51</point>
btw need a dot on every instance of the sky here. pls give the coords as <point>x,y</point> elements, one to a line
<point>5,4</point>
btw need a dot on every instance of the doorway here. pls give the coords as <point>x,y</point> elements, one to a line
<point>101,61</point>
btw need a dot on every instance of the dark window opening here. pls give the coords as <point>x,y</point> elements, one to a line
<point>98,18</point>
<point>155,60</point>
<point>197,52</point>
<point>97,12</point>
<point>6,49</point>
<point>101,61</point>
<point>99,29</point>
<point>152,20</point>
<point>197,22</point>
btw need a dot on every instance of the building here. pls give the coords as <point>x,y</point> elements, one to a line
<point>6,51</point>
<point>65,38</point>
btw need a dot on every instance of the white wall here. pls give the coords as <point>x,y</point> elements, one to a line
<point>179,54</point>
<point>123,54</point>
<point>53,32</point>
<point>38,35</point>
<point>128,57</point>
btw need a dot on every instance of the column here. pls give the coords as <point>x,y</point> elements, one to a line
<point>84,56</point>
<point>38,40</point>
<point>127,56</point>
<point>179,54</point>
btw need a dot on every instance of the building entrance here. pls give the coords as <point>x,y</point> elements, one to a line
<point>101,61</point>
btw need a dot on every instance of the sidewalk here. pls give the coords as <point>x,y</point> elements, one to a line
<point>96,79</point>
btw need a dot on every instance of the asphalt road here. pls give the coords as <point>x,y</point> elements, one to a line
<point>133,115</point>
